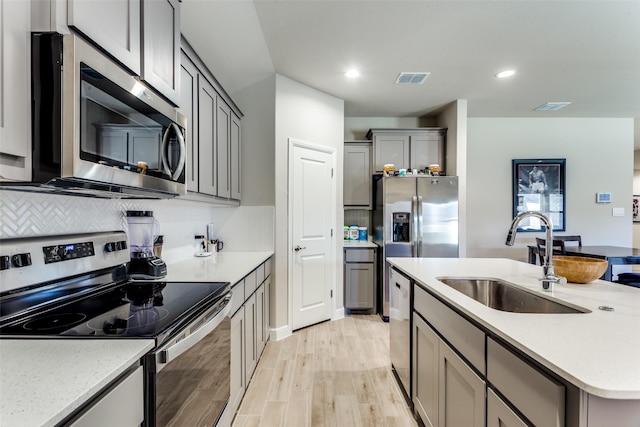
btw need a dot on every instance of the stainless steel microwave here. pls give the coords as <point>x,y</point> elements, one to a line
<point>96,126</point>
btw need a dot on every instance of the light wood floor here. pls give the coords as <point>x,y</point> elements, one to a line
<point>331,374</point>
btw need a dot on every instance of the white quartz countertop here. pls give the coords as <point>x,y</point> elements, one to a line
<point>219,267</point>
<point>349,244</point>
<point>43,381</point>
<point>598,352</point>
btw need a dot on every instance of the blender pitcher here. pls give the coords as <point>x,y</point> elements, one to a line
<point>143,230</point>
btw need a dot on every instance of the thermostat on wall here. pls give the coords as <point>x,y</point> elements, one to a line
<point>603,197</point>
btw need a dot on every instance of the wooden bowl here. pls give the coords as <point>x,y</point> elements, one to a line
<point>579,269</point>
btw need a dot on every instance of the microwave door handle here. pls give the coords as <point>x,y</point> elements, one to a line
<point>171,353</point>
<point>183,155</point>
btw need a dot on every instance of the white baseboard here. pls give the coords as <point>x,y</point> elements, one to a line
<point>338,314</point>
<point>282,332</point>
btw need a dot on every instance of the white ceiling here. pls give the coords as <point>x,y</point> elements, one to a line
<point>585,52</point>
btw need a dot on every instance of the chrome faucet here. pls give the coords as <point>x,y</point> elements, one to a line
<point>550,277</point>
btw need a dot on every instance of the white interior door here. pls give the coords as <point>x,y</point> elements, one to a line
<point>311,203</point>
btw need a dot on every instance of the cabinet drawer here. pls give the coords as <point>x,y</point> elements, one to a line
<point>267,268</point>
<point>250,283</point>
<point>237,298</point>
<point>460,333</point>
<point>260,275</point>
<point>537,396</point>
<point>359,255</point>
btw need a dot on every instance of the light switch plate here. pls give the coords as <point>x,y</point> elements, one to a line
<point>617,212</point>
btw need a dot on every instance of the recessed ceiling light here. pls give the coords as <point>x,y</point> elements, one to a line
<point>352,74</point>
<point>505,73</point>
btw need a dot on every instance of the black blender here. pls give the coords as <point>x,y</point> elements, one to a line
<point>143,229</point>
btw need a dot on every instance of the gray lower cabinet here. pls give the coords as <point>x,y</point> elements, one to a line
<point>359,279</point>
<point>499,414</point>
<point>357,175</point>
<point>250,328</point>
<point>447,392</point>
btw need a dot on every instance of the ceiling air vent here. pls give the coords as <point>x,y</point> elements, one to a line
<point>552,106</point>
<point>405,78</point>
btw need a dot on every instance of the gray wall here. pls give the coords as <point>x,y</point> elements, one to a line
<point>599,154</point>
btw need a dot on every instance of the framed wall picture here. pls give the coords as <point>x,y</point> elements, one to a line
<point>634,209</point>
<point>539,185</point>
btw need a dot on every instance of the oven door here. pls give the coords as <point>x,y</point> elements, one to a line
<point>190,385</point>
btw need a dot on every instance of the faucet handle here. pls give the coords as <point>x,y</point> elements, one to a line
<point>549,281</point>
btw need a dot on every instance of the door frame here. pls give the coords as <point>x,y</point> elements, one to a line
<point>294,142</point>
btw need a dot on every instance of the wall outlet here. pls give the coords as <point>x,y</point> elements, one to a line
<point>617,212</point>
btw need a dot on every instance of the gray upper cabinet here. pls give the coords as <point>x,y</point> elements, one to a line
<point>223,138</point>
<point>357,175</point>
<point>113,24</point>
<point>207,154</point>
<point>213,134</point>
<point>189,108</point>
<point>161,46</point>
<point>142,35</point>
<point>15,80</point>
<point>408,148</point>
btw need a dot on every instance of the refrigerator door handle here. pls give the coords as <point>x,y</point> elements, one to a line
<point>419,231</point>
<point>414,226</point>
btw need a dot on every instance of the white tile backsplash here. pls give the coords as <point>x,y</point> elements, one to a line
<point>244,228</point>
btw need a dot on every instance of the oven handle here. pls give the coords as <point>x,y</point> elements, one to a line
<point>171,353</point>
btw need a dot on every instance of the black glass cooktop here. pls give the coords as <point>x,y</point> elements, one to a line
<point>131,309</point>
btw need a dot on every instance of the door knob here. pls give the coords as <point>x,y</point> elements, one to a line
<point>299,248</point>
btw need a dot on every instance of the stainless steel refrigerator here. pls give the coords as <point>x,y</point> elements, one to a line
<point>414,216</point>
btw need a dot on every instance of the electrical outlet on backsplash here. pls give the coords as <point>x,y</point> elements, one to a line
<point>248,228</point>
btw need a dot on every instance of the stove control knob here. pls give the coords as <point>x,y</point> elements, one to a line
<point>110,247</point>
<point>21,260</point>
<point>5,263</point>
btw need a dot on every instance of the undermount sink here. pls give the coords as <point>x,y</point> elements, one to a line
<point>503,296</point>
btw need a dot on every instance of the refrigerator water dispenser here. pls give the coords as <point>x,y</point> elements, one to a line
<point>401,231</point>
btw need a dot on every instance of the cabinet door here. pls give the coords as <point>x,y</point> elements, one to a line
<point>112,24</point>
<point>267,309</point>
<point>259,321</point>
<point>499,414</point>
<point>235,159</point>
<point>359,283</point>
<point>357,175</point>
<point>426,148</point>
<point>250,336</point>
<point>223,139</point>
<point>189,108</point>
<point>207,160</point>
<point>461,392</point>
<point>391,149</point>
<point>425,371</point>
<point>161,46</point>
<point>237,379</point>
<point>15,80</point>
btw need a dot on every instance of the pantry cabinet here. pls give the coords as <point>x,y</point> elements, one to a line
<point>15,90</point>
<point>408,148</point>
<point>357,175</point>
<point>214,134</point>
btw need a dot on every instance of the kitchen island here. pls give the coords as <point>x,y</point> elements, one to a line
<point>594,354</point>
